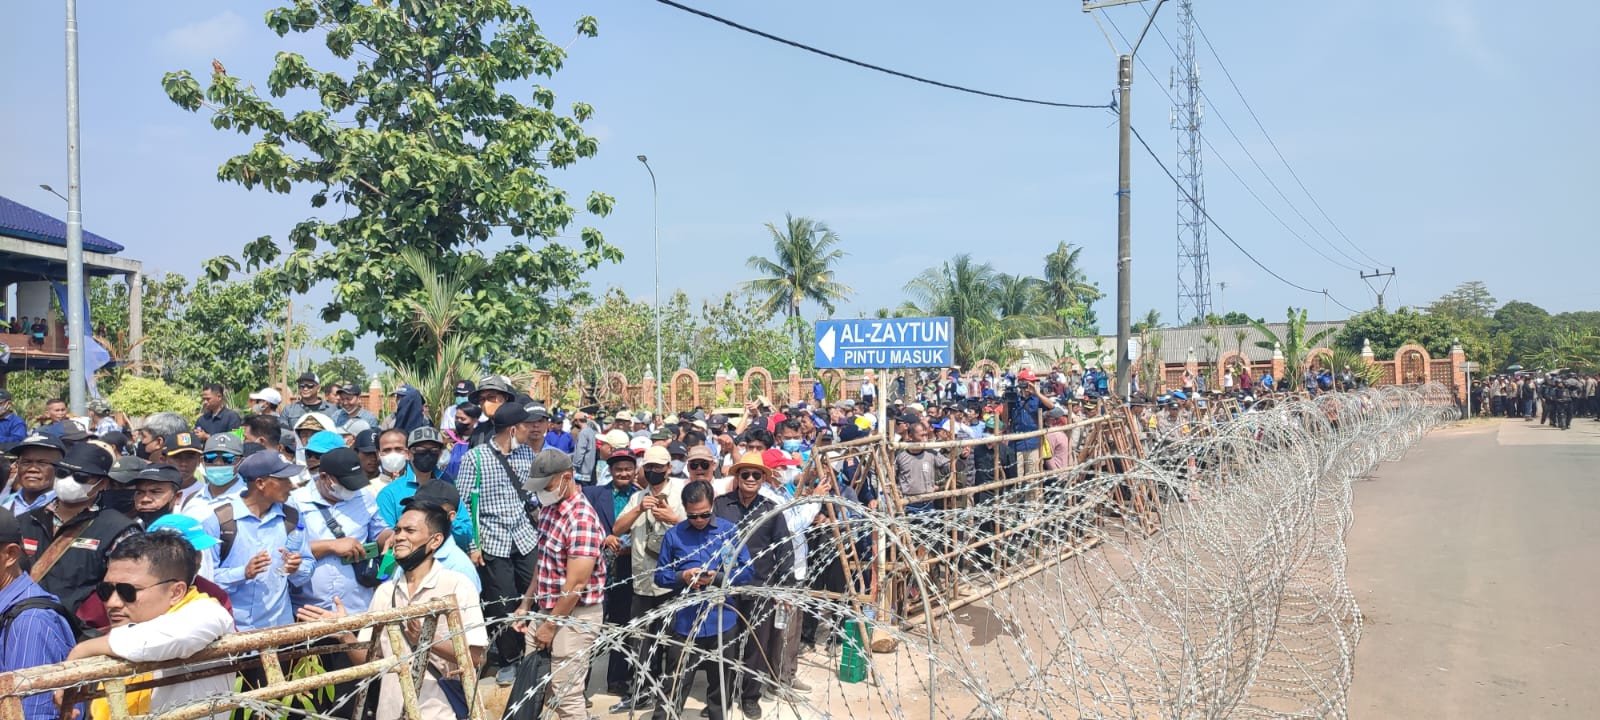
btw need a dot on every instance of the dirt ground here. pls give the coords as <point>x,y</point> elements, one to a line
<point>1474,562</point>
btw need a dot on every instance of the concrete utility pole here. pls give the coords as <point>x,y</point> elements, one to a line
<point>1125,196</point>
<point>1375,274</point>
<point>78,386</point>
<point>1124,225</point>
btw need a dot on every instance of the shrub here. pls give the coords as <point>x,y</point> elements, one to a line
<point>137,397</point>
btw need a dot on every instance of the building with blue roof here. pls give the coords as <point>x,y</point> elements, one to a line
<point>33,268</point>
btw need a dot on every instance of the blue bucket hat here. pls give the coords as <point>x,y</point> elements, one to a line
<point>186,527</point>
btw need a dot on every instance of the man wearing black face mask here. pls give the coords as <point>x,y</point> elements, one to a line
<point>69,539</point>
<point>425,450</point>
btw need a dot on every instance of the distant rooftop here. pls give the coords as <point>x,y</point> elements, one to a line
<point>25,223</point>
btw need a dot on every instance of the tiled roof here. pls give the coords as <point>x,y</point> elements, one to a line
<point>1176,342</point>
<point>25,223</point>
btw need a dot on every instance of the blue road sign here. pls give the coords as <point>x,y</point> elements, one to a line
<point>886,343</point>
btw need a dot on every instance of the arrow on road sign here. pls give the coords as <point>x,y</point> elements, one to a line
<point>827,344</point>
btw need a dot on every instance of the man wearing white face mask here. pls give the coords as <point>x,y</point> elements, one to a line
<point>393,461</point>
<point>340,520</point>
<point>68,540</point>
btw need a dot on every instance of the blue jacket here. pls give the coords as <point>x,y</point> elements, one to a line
<point>714,548</point>
<point>12,428</point>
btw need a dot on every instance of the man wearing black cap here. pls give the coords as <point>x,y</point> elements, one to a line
<point>34,471</point>
<point>31,615</point>
<point>155,493</point>
<point>69,539</point>
<point>339,520</point>
<point>262,548</point>
<point>492,476</point>
<point>183,451</point>
<point>310,392</point>
<point>351,408</point>
<point>12,427</point>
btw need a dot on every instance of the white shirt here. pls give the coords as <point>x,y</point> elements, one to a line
<point>798,518</point>
<point>440,582</point>
<point>172,636</point>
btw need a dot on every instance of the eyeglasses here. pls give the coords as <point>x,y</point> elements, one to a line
<point>220,457</point>
<point>700,464</point>
<point>34,463</point>
<point>699,516</point>
<point>308,386</point>
<point>127,591</point>
<point>752,475</point>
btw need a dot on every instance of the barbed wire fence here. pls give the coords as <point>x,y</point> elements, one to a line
<point>1200,575</point>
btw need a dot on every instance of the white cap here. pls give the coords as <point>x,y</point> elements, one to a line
<point>267,395</point>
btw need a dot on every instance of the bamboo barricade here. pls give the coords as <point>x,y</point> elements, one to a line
<point>1111,446</point>
<point>269,647</point>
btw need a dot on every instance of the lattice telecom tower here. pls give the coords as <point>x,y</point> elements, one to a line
<point>1194,259</point>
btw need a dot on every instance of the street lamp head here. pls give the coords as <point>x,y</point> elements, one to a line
<point>643,159</point>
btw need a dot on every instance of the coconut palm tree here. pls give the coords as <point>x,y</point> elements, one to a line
<point>1294,345</point>
<point>970,294</point>
<point>804,252</point>
<point>1067,290</point>
<point>434,314</point>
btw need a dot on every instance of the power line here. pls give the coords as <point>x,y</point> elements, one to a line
<point>1229,237</point>
<point>1274,146</point>
<point>1257,165</point>
<point>879,68</point>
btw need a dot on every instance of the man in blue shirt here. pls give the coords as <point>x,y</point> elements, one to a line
<point>701,555</point>
<point>263,547</point>
<point>12,428</point>
<point>339,519</point>
<point>424,452</point>
<point>34,635</point>
<point>1022,415</point>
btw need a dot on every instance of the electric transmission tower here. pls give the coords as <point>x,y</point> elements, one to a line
<point>1194,259</point>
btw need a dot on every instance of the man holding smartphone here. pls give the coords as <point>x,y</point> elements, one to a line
<point>1022,408</point>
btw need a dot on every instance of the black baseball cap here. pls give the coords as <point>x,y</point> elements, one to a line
<point>87,459</point>
<point>160,473</point>
<point>345,466</point>
<point>510,414</point>
<point>309,377</point>
<point>677,449</point>
<point>367,441</point>
<point>10,531</point>
<point>438,494</point>
<point>182,442</point>
<point>465,387</point>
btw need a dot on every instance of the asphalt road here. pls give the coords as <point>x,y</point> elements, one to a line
<point>1476,563</point>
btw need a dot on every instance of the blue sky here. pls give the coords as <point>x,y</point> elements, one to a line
<point>1449,138</point>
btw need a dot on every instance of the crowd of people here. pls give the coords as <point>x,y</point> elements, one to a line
<point>544,526</point>
<point>1555,398</point>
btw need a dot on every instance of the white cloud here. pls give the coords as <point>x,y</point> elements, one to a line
<point>206,38</point>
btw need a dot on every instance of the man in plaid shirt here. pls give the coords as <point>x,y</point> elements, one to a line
<point>570,583</point>
<point>492,475</point>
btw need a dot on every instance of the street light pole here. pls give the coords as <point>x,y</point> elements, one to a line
<point>77,383</point>
<point>655,232</point>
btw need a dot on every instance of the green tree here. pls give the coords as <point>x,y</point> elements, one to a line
<point>1150,321</point>
<point>1230,318</point>
<point>969,293</point>
<point>1526,327</point>
<point>433,134</point>
<point>804,253</point>
<point>343,369</point>
<point>1068,292</point>
<point>1294,344</point>
<point>1469,301</point>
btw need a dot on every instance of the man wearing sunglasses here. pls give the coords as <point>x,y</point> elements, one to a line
<point>701,555</point>
<point>68,540</point>
<point>310,400</point>
<point>756,518</point>
<point>157,615</point>
<point>219,466</point>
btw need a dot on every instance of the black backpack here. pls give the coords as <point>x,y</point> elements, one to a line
<point>228,526</point>
<point>80,632</point>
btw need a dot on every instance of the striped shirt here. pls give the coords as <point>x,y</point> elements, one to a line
<point>498,511</point>
<point>36,637</point>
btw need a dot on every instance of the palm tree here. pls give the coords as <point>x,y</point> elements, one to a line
<point>970,293</point>
<point>801,269</point>
<point>434,314</point>
<point>1068,291</point>
<point>1150,321</point>
<point>1294,345</point>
